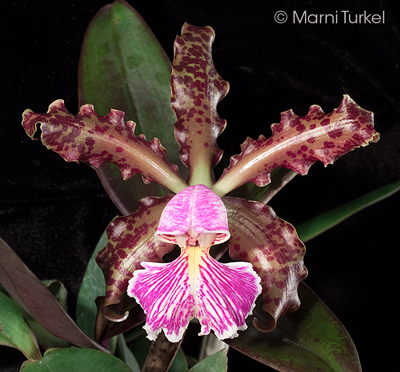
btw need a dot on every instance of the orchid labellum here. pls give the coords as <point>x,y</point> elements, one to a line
<point>267,251</point>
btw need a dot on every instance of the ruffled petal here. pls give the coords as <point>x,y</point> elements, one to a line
<point>220,295</point>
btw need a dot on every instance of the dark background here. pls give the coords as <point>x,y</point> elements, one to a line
<point>52,213</point>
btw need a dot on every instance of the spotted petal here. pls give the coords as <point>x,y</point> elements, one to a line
<point>272,246</point>
<point>131,240</point>
<point>220,295</point>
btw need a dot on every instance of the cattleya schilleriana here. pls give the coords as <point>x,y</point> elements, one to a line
<point>196,285</point>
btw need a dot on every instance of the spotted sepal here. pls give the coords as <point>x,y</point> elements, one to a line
<point>196,90</point>
<point>297,142</point>
<point>95,139</point>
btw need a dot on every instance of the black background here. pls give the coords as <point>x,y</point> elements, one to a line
<point>52,213</point>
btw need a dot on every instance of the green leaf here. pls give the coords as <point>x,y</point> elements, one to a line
<point>15,331</point>
<point>126,354</point>
<point>140,348</point>
<point>38,301</point>
<point>123,66</point>
<point>58,290</point>
<point>92,286</point>
<point>179,363</point>
<point>76,359</point>
<point>310,339</point>
<point>317,225</point>
<point>214,363</point>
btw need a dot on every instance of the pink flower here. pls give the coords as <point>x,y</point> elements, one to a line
<point>200,215</point>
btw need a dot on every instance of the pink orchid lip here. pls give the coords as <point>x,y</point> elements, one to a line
<point>195,285</point>
<point>195,214</point>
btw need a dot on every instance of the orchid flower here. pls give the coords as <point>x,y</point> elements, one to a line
<point>196,285</point>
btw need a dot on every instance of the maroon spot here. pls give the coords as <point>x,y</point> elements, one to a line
<point>325,122</point>
<point>300,128</point>
<point>119,149</point>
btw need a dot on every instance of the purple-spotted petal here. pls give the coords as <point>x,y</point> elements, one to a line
<point>197,207</point>
<point>220,295</point>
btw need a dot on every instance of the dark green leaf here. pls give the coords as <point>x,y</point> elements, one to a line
<point>126,354</point>
<point>123,66</point>
<point>76,359</point>
<point>310,339</point>
<point>37,300</point>
<point>214,363</point>
<point>317,225</point>
<point>58,290</point>
<point>15,331</point>
<point>93,285</point>
<point>179,364</point>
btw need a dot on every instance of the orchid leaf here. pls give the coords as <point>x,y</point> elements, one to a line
<point>58,290</point>
<point>131,240</point>
<point>217,362</point>
<point>272,246</point>
<point>92,286</point>
<point>126,354</point>
<point>45,339</point>
<point>96,139</point>
<point>15,331</point>
<point>122,65</point>
<point>196,90</point>
<point>298,142</point>
<point>38,301</point>
<point>310,339</point>
<point>76,359</point>
<point>317,225</point>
